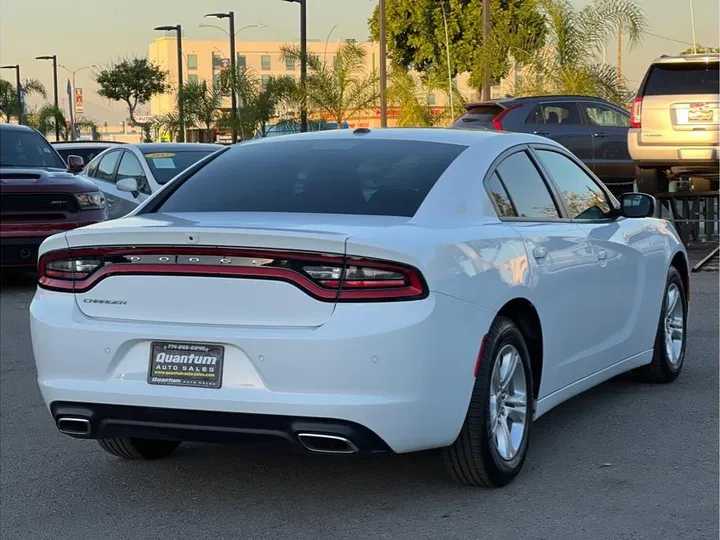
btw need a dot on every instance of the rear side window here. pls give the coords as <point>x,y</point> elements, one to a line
<point>501,198</point>
<point>528,193</point>
<point>331,176</point>
<point>682,78</point>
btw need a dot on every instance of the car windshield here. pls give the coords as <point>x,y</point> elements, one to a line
<point>167,165</point>
<point>323,176</point>
<point>20,148</point>
<point>88,154</point>
<point>685,78</point>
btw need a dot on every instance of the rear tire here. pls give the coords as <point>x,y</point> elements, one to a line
<point>651,181</point>
<point>131,448</point>
<point>493,442</point>
<point>671,337</point>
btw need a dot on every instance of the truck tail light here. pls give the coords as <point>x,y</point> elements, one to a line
<point>636,113</point>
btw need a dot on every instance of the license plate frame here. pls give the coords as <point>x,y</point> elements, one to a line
<point>700,113</point>
<point>204,360</point>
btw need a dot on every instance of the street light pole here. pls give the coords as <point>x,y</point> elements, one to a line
<point>383,67</point>
<point>18,88</point>
<point>55,89</point>
<point>303,64</point>
<point>486,42</point>
<point>181,105</point>
<point>73,73</point>
<point>230,15</point>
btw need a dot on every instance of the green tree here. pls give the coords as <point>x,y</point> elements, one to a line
<point>134,81</point>
<point>258,102</point>
<point>409,93</point>
<point>49,115</point>
<point>202,102</point>
<point>341,89</point>
<point>416,35</point>
<point>567,64</point>
<point>9,107</point>
<point>701,49</point>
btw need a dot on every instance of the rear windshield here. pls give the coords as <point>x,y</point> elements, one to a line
<point>336,176</point>
<point>685,78</point>
<point>167,165</point>
<point>88,154</point>
<point>20,148</point>
<point>482,114</point>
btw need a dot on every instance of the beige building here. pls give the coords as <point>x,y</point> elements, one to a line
<point>204,60</point>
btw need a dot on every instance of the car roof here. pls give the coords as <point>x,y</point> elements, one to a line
<point>175,147</point>
<point>16,127</point>
<point>460,136</point>
<point>84,144</point>
<point>684,58</point>
<point>534,99</point>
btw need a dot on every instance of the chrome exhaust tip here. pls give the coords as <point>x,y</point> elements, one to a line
<point>327,444</point>
<point>74,426</point>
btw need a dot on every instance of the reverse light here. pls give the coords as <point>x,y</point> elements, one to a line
<point>93,200</point>
<point>636,113</point>
<point>325,277</point>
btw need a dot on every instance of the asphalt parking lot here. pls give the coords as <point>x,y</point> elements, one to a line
<point>624,461</point>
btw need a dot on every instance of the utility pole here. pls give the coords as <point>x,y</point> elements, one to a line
<point>55,89</point>
<point>383,67</point>
<point>18,88</point>
<point>303,63</point>
<point>486,43</point>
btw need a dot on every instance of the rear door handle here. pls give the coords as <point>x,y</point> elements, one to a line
<point>600,135</point>
<point>542,133</point>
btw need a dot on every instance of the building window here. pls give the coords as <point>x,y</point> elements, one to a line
<point>193,78</point>
<point>290,64</point>
<point>265,79</point>
<point>192,61</point>
<point>431,99</point>
<point>265,61</point>
<point>241,61</point>
<point>216,60</point>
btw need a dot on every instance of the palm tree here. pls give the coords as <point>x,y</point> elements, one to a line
<point>567,64</point>
<point>49,115</point>
<point>9,107</point>
<point>168,123</point>
<point>342,90</point>
<point>202,103</point>
<point>409,93</point>
<point>259,102</point>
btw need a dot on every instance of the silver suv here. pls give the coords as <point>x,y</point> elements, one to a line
<point>675,120</point>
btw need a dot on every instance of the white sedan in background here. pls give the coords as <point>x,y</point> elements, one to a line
<point>359,291</point>
<point>128,174</point>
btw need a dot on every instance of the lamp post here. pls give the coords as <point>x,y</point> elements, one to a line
<point>181,106</point>
<point>16,67</point>
<point>383,67</point>
<point>486,42</point>
<point>55,88</point>
<point>303,63</point>
<point>230,15</point>
<point>73,73</point>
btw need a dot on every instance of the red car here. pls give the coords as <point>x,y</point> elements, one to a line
<point>39,195</point>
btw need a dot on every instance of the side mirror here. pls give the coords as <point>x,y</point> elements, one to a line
<point>129,185</point>
<point>637,205</point>
<point>75,164</point>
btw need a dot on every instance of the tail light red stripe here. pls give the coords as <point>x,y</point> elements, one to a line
<point>238,263</point>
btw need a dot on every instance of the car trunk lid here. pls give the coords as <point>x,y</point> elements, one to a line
<point>229,269</point>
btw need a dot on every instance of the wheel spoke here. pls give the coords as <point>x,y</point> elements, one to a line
<point>517,414</point>
<point>502,438</point>
<point>672,299</point>
<point>510,363</point>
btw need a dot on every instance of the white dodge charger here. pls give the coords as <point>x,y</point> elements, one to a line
<point>359,291</point>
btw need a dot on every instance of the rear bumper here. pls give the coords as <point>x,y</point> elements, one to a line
<point>209,426</point>
<point>702,158</point>
<point>401,370</point>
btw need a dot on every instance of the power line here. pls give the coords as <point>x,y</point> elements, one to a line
<point>668,39</point>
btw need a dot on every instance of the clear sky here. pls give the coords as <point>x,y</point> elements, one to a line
<point>83,32</point>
